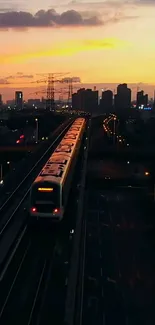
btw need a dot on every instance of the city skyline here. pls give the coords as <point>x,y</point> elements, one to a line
<point>27,94</point>
<point>109,43</point>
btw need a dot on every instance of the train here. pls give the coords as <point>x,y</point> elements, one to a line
<point>50,190</point>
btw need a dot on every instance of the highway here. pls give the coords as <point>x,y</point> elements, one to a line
<point>34,273</point>
<point>116,277</point>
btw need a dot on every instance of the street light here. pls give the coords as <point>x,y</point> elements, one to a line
<point>1,180</point>
<point>1,172</point>
<point>36,130</point>
<point>114,130</point>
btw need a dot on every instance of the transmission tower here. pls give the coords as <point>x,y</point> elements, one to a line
<point>50,105</point>
<point>70,91</point>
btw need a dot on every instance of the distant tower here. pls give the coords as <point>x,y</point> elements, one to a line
<point>70,91</point>
<point>61,95</point>
<point>19,99</point>
<point>50,93</point>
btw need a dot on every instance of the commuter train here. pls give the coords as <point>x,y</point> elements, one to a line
<point>50,190</point>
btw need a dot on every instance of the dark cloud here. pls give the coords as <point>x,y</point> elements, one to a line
<point>49,18</point>
<point>4,81</point>
<point>20,75</point>
<point>74,79</point>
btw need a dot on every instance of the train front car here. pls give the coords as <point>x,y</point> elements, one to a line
<point>46,199</point>
<point>50,190</point>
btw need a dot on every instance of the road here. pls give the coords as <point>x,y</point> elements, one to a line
<point>118,283</point>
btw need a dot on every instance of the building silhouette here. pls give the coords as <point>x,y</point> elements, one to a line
<point>19,100</point>
<point>122,99</point>
<point>85,100</point>
<point>142,99</point>
<point>106,101</point>
<point>1,101</point>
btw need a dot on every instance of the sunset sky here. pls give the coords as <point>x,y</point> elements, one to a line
<point>99,41</point>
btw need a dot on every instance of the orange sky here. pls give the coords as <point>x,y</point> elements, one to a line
<point>122,49</point>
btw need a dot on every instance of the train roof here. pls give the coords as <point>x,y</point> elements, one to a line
<point>55,168</point>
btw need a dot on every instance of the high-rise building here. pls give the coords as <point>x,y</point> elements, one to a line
<point>19,100</point>
<point>10,102</point>
<point>106,102</point>
<point>75,101</point>
<point>142,99</point>
<point>85,100</point>
<point>123,98</point>
<point>1,101</point>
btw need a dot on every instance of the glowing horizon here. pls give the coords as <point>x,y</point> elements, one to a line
<point>100,42</point>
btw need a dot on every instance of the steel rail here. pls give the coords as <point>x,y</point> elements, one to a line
<point>9,248</point>
<point>5,204</point>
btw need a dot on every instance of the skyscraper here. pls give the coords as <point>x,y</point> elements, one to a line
<point>106,102</point>
<point>123,98</point>
<point>19,100</point>
<point>142,99</point>
<point>85,100</point>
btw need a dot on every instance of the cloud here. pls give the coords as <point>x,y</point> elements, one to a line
<point>49,18</point>
<point>111,43</point>
<point>22,20</point>
<point>145,2</point>
<point>74,79</point>
<point>65,49</point>
<point>9,5</point>
<point>20,75</point>
<point>3,81</point>
<point>108,2</point>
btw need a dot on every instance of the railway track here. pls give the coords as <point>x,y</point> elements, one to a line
<point>111,264</point>
<point>13,216</point>
<point>34,282</point>
<point>27,283</point>
<point>42,159</point>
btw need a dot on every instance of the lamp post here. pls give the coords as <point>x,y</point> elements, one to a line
<point>114,132</point>
<point>1,172</point>
<point>37,130</point>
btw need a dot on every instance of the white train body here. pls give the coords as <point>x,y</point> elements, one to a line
<point>50,190</point>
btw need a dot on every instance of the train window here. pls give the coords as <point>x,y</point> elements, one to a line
<point>71,137</point>
<point>39,197</point>
<point>64,149</point>
<point>72,133</point>
<point>53,170</point>
<point>75,129</point>
<point>67,143</point>
<point>58,160</point>
<point>65,146</point>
